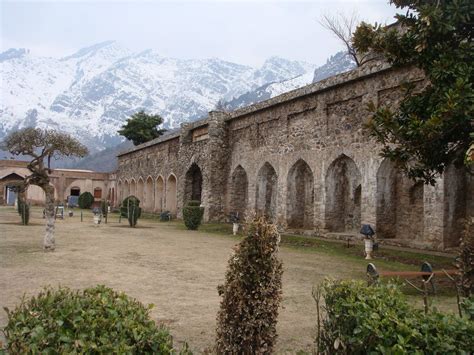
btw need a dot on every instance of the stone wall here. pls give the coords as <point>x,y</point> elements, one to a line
<point>305,160</point>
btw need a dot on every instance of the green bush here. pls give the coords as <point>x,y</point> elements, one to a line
<point>24,211</point>
<point>131,210</point>
<point>104,206</point>
<point>251,295</point>
<point>95,321</point>
<point>192,215</point>
<point>85,200</point>
<point>362,319</point>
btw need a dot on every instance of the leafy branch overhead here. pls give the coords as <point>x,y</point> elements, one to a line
<point>141,128</point>
<point>431,128</point>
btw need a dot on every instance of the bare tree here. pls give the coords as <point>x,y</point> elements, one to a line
<point>42,146</point>
<point>222,105</point>
<point>343,27</point>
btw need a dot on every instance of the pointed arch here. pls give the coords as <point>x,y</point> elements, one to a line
<point>300,196</point>
<point>239,191</point>
<point>171,189</point>
<point>149,195</point>
<point>159,193</point>
<point>343,195</point>
<point>193,184</point>
<point>266,191</point>
<point>399,209</point>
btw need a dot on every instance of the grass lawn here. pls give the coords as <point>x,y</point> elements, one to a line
<point>179,270</point>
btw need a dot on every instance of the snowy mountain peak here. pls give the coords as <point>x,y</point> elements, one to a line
<point>90,50</point>
<point>13,53</point>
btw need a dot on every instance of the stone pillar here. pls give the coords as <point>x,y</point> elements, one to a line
<point>218,165</point>
<point>433,211</point>
<point>369,191</point>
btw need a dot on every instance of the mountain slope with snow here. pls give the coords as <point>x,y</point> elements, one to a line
<point>93,91</point>
<point>336,64</point>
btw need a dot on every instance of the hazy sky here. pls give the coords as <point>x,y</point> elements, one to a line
<point>245,32</point>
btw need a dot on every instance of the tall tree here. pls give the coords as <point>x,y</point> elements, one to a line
<point>430,129</point>
<point>42,146</point>
<point>141,128</point>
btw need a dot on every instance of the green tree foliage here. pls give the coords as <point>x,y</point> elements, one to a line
<point>363,319</point>
<point>131,210</point>
<point>430,129</point>
<point>141,128</point>
<point>192,215</point>
<point>85,200</point>
<point>42,145</point>
<point>251,295</point>
<point>96,320</point>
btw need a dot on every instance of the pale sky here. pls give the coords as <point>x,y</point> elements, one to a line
<point>245,32</point>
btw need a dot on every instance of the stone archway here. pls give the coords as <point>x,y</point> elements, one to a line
<point>399,209</point>
<point>149,195</point>
<point>343,196</point>
<point>239,192</point>
<point>159,194</point>
<point>193,184</point>
<point>266,192</point>
<point>300,196</point>
<point>171,199</point>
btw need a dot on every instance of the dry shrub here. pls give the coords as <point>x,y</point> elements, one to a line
<point>251,295</point>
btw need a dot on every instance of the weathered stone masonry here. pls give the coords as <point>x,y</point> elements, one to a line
<point>304,159</point>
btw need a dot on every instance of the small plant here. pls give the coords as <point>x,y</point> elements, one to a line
<point>85,200</point>
<point>96,320</point>
<point>131,210</point>
<point>192,215</point>
<point>23,211</point>
<point>251,295</point>
<point>104,207</point>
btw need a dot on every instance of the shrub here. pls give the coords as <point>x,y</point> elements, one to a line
<point>131,210</point>
<point>23,211</point>
<point>362,319</point>
<point>104,206</point>
<point>192,215</point>
<point>246,322</point>
<point>85,200</point>
<point>95,320</point>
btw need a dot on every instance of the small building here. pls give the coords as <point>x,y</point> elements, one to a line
<point>68,184</point>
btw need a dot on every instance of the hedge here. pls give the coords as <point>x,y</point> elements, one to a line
<point>192,215</point>
<point>85,200</point>
<point>96,320</point>
<point>378,319</point>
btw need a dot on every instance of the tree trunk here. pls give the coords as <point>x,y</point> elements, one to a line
<point>49,244</point>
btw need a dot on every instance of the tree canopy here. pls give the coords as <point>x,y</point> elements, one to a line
<point>141,128</point>
<point>42,146</point>
<point>433,128</point>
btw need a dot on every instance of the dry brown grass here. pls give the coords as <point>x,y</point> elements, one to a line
<point>177,270</point>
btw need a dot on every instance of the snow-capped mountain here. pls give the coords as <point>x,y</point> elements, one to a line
<point>336,64</point>
<point>93,91</point>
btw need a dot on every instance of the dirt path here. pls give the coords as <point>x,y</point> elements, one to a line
<point>176,270</point>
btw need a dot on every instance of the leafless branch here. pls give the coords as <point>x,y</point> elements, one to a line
<point>343,26</point>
